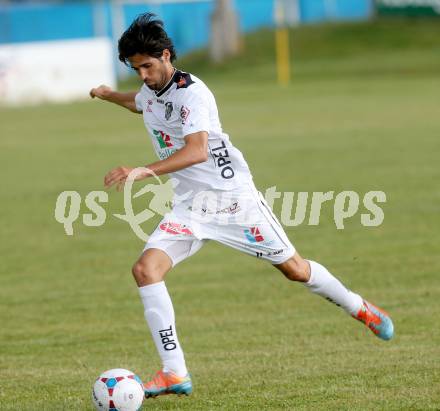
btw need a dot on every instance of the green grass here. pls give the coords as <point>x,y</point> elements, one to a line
<point>362,113</point>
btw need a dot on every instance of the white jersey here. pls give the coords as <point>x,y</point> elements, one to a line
<point>186,106</point>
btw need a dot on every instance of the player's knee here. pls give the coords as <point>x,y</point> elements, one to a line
<point>146,272</point>
<point>296,270</point>
<point>297,275</point>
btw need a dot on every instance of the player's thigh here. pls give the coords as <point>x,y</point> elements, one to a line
<point>175,239</point>
<point>256,231</point>
<point>261,240</point>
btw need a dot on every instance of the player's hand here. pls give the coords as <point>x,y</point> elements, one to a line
<point>102,92</point>
<point>120,175</point>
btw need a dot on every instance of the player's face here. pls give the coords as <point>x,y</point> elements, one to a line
<point>154,72</point>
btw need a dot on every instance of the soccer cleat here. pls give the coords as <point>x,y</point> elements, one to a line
<point>168,383</point>
<point>376,320</point>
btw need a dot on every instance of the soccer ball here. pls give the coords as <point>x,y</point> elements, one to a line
<point>118,390</point>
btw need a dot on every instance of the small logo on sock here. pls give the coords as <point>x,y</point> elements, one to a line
<point>167,338</point>
<point>332,301</point>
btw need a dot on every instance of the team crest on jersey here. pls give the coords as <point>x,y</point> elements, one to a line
<point>168,110</point>
<point>149,104</point>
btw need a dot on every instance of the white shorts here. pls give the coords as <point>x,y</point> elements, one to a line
<point>239,218</point>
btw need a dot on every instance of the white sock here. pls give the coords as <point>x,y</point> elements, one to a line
<point>324,284</point>
<point>159,313</point>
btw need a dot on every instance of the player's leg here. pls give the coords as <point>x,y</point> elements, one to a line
<point>165,248</point>
<point>151,267</point>
<point>259,233</point>
<point>321,282</point>
<point>149,272</point>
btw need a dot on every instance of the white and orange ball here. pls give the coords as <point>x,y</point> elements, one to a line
<point>118,390</point>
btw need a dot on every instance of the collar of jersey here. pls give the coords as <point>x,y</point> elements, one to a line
<point>167,86</point>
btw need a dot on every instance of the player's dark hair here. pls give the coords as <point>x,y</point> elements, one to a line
<point>145,35</point>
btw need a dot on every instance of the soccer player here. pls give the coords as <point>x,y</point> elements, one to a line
<point>180,114</point>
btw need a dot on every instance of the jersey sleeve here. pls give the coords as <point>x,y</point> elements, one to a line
<point>194,113</point>
<point>138,102</point>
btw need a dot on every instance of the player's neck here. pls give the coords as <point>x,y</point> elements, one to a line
<point>169,79</point>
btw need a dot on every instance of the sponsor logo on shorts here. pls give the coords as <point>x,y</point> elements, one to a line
<point>175,228</point>
<point>270,253</point>
<point>253,235</point>
<point>276,252</point>
<point>232,209</point>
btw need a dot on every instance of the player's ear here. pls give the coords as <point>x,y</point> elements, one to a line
<point>166,55</point>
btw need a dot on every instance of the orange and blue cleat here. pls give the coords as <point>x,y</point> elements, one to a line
<point>376,320</point>
<point>168,383</point>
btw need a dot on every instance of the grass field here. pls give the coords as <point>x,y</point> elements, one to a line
<point>362,113</point>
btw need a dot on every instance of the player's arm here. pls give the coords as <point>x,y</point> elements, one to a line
<point>193,152</point>
<point>126,100</point>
